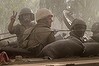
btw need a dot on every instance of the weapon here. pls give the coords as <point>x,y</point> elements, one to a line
<point>7,38</point>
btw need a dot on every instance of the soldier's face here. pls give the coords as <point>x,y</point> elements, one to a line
<point>80,30</point>
<point>49,20</point>
<point>26,18</point>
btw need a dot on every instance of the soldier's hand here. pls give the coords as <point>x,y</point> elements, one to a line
<point>13,17</point>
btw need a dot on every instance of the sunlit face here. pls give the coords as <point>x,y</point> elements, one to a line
<point>49,20</point>
<point>80,30</point>
<point>26,18</point>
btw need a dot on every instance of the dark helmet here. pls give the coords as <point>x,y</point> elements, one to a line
<point>95,27</point>
<point>26,11</point>
<point>76,22</point>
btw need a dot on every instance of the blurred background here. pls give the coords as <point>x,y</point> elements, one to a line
<point>86,10</point>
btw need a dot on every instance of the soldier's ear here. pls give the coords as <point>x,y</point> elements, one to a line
<point>32,17</point>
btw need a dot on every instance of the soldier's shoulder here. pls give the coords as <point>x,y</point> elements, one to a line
<point>73,38</point>
<point>28,30</point>
<point>43,29</point>
<point>33,23</point>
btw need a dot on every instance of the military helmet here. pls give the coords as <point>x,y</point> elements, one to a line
<point>77,22</point>
<point>26,11</point>
<point>95,27</point>
<point>42,13</point>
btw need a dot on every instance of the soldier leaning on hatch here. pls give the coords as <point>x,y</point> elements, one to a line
<point>26,18</point>
<point>39,36</point>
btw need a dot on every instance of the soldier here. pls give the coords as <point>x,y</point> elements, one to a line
<point>41,35</point>
<point>25,17</point>
<point>71,46</point>
<point>92,45</point>
<point>69,19</point>
<point>78,28</point>
<point>95,32</point>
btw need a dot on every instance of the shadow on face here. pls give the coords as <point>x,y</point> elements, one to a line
<point>79,30</point>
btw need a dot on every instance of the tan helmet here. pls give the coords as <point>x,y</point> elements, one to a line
<point>77,21</point>
<point>26,11</point>
<point>95,27</point>
<point>42,13</point>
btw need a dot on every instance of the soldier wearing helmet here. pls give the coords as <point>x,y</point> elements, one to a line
<point>95,28</point>
<point>77,27</point>
<point>26,15</point>
<point>26,18</point>
<point>95,32</point>
<point>41,34</point>
<point>92,45</point>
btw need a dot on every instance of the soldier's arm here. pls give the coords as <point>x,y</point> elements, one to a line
<point>51,38</point>
<point>10,26</point>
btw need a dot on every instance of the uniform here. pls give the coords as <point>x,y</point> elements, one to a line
<point>92,45</point>
<point>38,37</point>
<point>19,30</point>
